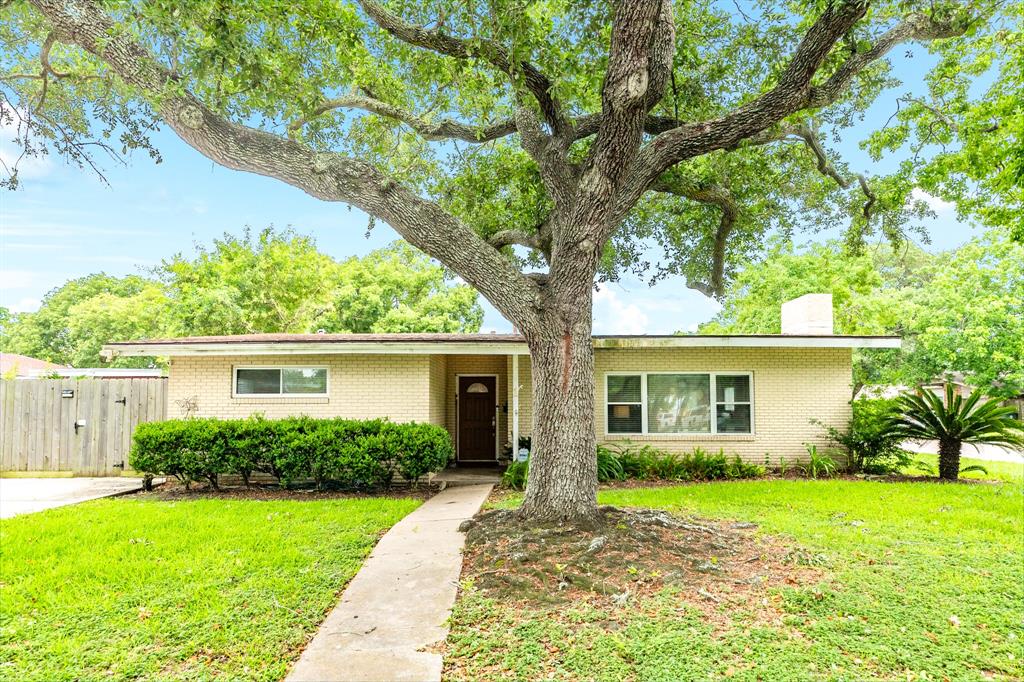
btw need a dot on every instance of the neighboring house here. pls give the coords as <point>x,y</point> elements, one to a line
<point>752,395</point>
<point>14,365</point>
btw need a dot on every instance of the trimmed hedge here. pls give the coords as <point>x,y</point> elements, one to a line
<point>343,452</point>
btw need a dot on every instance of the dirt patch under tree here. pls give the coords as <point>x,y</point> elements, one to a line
<point>633,553</point>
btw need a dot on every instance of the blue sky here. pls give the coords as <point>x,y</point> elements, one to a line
<point>64,223</point>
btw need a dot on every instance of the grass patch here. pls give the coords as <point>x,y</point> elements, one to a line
<point>127,588</point>
<point>918,581</point>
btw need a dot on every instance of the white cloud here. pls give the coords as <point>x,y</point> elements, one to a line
<point>614,316</point>
<point>23,279</point>
<point>117,260</point>
<point>934,203</point>
<point>25,305</point>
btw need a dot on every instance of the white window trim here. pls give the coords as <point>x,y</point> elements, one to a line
<point>286,396</point>
<point>714,403</point>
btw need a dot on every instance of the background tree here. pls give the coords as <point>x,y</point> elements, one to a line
<point>602,122</point>
<point>257,282</point>
<point>6,320</point>
<point>958,311</point>
<point>270,281</point>
<point>47,334</point>
<point>398,289</point>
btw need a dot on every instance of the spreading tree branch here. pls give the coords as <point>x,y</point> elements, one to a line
<point>436,40</point>
<point>331,177</point>
<point>440,129</point>
<point>716,195</point>
<point>809,135</point>
<point>793,91</point>
<point>503,238</point>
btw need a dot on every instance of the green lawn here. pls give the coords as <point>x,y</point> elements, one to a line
<point>919,581</point>
<point>145,589</point>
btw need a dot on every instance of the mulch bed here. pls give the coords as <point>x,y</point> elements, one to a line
<point>631,554</point>
<point>174,490</point>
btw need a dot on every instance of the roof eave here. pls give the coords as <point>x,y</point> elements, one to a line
<point>485,347</point>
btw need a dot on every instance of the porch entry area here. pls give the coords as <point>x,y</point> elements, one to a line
<point>477,401</point>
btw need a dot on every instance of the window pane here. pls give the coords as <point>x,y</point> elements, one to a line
<point>623,389</point>
<point>736,420</point>
<point>255,381</point>
<point>732,389</point>
<point>678,403</point>
<point>625,418</point>
<point>306,380</point>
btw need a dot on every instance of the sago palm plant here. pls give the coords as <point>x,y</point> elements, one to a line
<point>953,422</point>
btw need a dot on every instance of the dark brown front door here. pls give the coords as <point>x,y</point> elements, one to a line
<point>477,419</point>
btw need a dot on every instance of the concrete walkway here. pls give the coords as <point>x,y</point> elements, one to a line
<point>398,603</point>
<point>27,495</point>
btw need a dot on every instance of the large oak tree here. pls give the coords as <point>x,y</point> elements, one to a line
<point>531,147</point>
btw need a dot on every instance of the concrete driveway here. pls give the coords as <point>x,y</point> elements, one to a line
<point>27,495</point>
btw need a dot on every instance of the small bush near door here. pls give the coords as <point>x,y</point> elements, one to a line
<point>342,452</point>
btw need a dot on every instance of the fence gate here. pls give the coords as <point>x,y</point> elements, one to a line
<point>82,426</point>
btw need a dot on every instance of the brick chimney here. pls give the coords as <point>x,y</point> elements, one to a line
<point>809,315</point>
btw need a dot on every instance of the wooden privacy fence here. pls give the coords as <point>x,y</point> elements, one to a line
<point>81,426</point>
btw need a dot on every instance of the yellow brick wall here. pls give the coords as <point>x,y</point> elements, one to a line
<point>439,390</point>
<point>791,387</point>
<point>359,386</point>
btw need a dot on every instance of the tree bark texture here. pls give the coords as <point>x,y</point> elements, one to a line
<point>949,459</point>
<point>562,483</point>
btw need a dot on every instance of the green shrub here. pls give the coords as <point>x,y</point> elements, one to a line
<point>609,468</point>
<point>625,461</point>
<point>820,464</point>
<point>870,444</point>
<point>344,452</point>
<point>515,475</point>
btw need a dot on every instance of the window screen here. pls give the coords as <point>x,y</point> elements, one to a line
<point>625,409</point>
<point>281,381</point>
<point>305,380</point>
<point>678,403</point>
<point>665,403</point>
<point>732,403</point>
<point>258,381</point>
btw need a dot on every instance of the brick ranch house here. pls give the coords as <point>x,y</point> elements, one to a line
<point>754,395</point>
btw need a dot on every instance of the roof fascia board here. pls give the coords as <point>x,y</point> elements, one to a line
<point>306,348</point>
<point>487,347</point>
<point>697,341</point>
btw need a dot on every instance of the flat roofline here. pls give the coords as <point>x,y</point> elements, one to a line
<point>481,344</point>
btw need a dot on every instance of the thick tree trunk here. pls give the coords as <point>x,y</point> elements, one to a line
<point>949,460</point>
<point>562,484</point>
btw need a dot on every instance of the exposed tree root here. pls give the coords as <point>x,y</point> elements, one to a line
<point>631,552</point>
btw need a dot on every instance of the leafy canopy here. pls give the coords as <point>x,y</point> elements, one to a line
<point>267,281</point>
<point>958,311</point>
<point>332,77</point>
